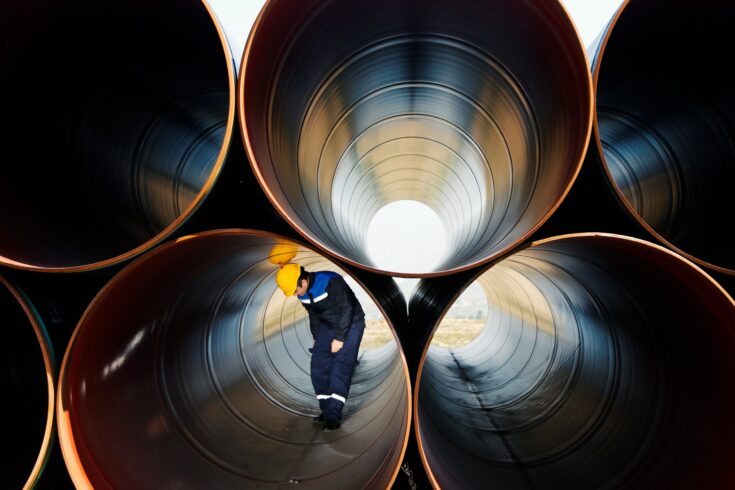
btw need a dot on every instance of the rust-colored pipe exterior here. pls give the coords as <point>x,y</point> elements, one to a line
<point>28,385</point>
<point>190,369</point>
<point>665,120</point>
<point>605,361</point>
<point>116,120</point>
<point>479,109</point>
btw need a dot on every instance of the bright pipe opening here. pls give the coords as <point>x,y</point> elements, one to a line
<point>480,110</point>
<point>406,237</point>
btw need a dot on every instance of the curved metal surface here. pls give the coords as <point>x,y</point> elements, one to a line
<point>191,369</point>
<point>28,405</point>
<point>479,109</point>
<point>665,119</point>
<point>116,121</point>
<point>605,362</point>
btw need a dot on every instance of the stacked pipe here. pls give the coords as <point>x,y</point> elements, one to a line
<point>205,382</point>
<point>481,110</point>
<point>664,123</point>
<point>598,354</point>
<point>189,368</point>
<point>28,384</point>
<point>117,120</point>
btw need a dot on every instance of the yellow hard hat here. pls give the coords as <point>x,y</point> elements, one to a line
<point>287,278</point>
<point>282,253</point>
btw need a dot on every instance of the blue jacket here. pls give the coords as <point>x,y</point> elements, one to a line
<point>331,304</point>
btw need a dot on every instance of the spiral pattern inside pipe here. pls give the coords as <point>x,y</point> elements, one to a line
<point>116,120</point>
<point>191,369</point>
<point>605,362</point>
<point>666,119</point>
<point>28,382</point>
<point>479,109</point>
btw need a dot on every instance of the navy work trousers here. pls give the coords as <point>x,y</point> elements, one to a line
<point>331,374</point>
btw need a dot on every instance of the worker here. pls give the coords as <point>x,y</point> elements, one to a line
<point>337,323</point>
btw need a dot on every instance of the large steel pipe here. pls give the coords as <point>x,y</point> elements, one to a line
<point>605,362</point>
<point>479,109</point>
<point>28,383</point>
<point>665,121</point>
<point>191,370</point>
<point>116,120</point>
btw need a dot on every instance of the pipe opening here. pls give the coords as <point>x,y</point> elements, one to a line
<point>27,380</point>
<point>603,362</point>
<point>465,320</point>
<point>117,117</point>
<point>377,332</point>
<point>406,236</point>
<point>665,120</point>
<point>192,369</point>
<point>478,110</point>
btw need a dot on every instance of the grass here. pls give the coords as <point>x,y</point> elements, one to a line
<point>456,332</point>
<point>376,334</point>
<point>452,332</point>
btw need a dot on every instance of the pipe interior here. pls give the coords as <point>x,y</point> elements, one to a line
<point>113,128</point>
<point>666,119</point>
<point>25,385</point>
<point>603,363</point>
<point>480,110</point>
<point>192,370</point>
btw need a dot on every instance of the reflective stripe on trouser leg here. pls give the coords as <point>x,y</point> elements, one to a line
<point>342,368</point>
<point>323,401</point>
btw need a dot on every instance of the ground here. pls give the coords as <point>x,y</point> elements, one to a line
<point>453,332</point>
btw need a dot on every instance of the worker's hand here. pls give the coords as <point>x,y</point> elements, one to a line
<point>336,346</point>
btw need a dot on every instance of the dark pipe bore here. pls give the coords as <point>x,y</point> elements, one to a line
<point>116,118</point>
<point>666,119</point>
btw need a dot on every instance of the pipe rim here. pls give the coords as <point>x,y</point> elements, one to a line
<point>201,195</point>
<point>49,362</point>
<point>66,436</point>
<point>245,134</point>
<point>598,59</point>
<point>583,235</point>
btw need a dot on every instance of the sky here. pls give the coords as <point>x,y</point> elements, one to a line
<point>405,235</point>
<point>238,16</point>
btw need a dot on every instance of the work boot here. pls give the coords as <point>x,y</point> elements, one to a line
<point>330,425</point>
